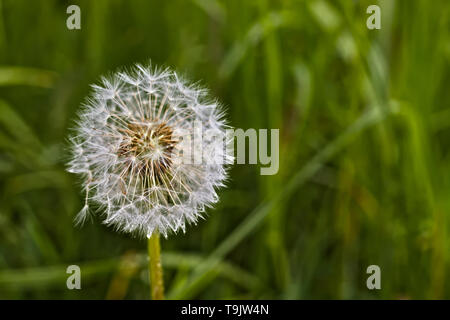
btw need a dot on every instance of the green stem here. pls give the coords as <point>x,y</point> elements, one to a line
<point>155,268</point>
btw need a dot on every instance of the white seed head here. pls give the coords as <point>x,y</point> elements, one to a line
<point>133,145</point>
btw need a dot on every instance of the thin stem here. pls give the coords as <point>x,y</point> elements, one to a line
<point>155,268</point>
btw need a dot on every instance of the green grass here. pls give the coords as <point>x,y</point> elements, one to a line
<point>364,119</point>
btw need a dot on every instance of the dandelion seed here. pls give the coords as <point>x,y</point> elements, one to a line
<point>128,147</point>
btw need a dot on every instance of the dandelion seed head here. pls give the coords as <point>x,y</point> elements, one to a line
<point>129,146</point>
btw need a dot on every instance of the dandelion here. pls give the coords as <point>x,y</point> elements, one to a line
<point>133,146</point>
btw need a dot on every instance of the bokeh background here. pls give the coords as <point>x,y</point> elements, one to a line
<point>364,119</point>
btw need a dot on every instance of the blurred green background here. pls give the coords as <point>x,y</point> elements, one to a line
<point>364,118</point>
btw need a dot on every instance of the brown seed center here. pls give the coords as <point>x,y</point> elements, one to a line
<point>150,146</point>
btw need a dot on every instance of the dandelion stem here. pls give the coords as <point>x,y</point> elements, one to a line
<point>155,268</point>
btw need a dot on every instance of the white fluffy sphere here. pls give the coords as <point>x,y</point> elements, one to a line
<point>151,150</point>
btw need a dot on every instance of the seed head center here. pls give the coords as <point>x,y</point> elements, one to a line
<point>150,145</point>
